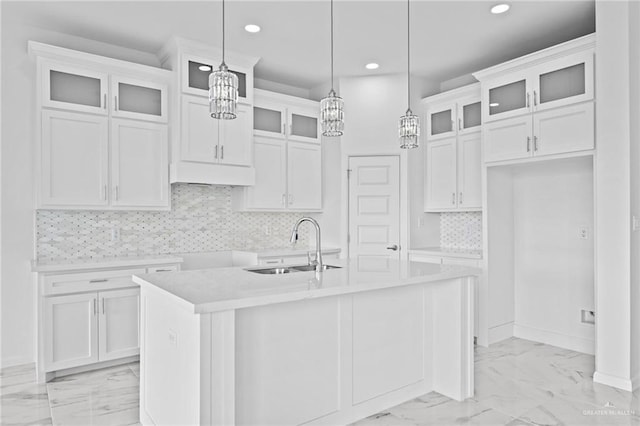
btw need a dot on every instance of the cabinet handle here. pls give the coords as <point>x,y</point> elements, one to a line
<point>271,262</point>
<point>527,99</point>
<point>104,280</point>
<point>222,152</point>
<point>216,154</point>
<point>116,103</point>
<point>104,101</point>
<point>460,197</point>
<point>535,143</point>
<point>102,306</point>
<point>528,143</point>
<point>453,198</point>
<point>535,98</point>
<point>163,270</point>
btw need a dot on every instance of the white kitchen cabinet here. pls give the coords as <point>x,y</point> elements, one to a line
<point>139,164</point>
<point>90,111</point>
<point>469,168</point>
<point>73,87</point>
<point>195,76</point>
<point>270,161</point>
<point>235,138</point>
<point>303,124</point>
<point>304,176</point>
<point>118,323</point>
<point>269,119</point>
<point>440,180</point>
<point>74,158</point>
<point>440,120</point>
<point>71,336</point>
<point>556,131</point>
<point>286,117</point>
<point>453,113</point>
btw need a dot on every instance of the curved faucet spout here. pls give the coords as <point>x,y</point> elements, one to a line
<point>294,238</point>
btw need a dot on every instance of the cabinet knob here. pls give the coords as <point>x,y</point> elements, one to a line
<point>535,143</point>
<point>453,198</point>
<point>527,99</point>
<point>460,197</point>
<point>222,152</point>
<point>528,143</point>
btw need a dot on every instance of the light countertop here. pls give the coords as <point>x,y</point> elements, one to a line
<point>107,262</point>
<point>220,289</point>
<point>448,251</point>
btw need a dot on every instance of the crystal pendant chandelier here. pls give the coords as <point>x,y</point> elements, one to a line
<point>332,107</point>
<point>223,88</point>
<point>409,124</point>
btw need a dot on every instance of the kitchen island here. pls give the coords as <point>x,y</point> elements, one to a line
<point>228,346</point>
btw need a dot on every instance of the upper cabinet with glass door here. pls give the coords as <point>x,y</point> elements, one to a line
<point>551,78</point>
<point>195,77</point>
<point>286,117</point>
<point>453,112</point>
<point>74,88</point>
<point>138,99</point>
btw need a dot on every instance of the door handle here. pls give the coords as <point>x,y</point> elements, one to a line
<point>393,247</point>
<point>222,152</point>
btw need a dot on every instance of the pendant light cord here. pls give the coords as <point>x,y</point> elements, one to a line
<point>223,31</point>
<point>408,59</point>
<point>332,45</point>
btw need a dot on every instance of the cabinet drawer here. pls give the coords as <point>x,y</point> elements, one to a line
<point>163,268</point>
<point>89,281</point>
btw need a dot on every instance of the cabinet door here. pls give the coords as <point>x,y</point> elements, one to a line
<point>139,164</point>
<point>195,77</point>
<point>304,180</point>
<point>71,336</point>
<point>441,121</point>
<point>199,132</point>
<point>303,124</point>
<point>270,163</point>
<point>440,170</point>
<point>507,96</point>
<point>469,171</point>
<point>74,159</point>
<point>236,138</point>
<point>269,120</point>
<point>563,130</point>
<point>74,88</point>
<point>508,139</point>
<point>469,115</point>
<point>119,323</point>
<point>565,81</point>
<point>139,100</point>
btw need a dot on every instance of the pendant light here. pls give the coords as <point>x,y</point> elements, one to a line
<point>409,124</point>
<point>223,88</point>
<point>332,107</point>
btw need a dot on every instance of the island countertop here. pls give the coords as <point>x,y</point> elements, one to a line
<point>221,289</point>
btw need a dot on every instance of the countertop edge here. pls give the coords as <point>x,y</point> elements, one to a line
<point>103,264</point>
<point>436,251</point>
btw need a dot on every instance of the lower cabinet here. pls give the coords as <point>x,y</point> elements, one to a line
<point>91,327</point>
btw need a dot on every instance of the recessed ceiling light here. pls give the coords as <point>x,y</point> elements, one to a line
<point>372,66</point>
<point>252,28</point>
<point>500,8</point>
<point>204,68</point>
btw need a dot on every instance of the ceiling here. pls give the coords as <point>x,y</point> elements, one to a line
<point>448,38</point>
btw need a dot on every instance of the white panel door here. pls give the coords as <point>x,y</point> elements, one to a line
<point>74,159</point>
<point>374,210</point>
<point>119,323</point>
<point>270,162</point>
<point>440,175</point>
<point>139,164</point>
<point>304,180</point>
<point>469,168</point>
<point>199,132</point>
<point>508,139</point>
<point>565,129</point>
<point>236,137</point>
<point>71,336</point>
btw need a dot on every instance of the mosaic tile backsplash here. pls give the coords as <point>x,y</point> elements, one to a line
<point>201,220</point>
<point>461,230</point>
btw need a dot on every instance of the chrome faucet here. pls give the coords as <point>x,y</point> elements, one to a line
<point>294,238</point>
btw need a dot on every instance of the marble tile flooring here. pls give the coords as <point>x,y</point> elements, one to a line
<point>517,382</point>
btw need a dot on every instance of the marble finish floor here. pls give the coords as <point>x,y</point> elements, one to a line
<point>517,382</point>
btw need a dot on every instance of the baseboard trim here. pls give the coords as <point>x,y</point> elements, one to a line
<point>613,381</point>
<point>16,361</point>
<point>500,332</point>
<point>578,344</point>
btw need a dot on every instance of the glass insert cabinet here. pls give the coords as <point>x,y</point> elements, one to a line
<point>195,77</point>
<point>450,118</point>
<point>556,83</point>
<point>285,120</point>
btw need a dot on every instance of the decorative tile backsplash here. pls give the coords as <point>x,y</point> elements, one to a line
<point>461,230</point>
<point>200,220</point>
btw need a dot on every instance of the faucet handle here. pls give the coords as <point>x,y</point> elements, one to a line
<point>308,257</point>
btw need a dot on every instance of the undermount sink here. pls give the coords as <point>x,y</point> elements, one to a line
<point>288,269</point>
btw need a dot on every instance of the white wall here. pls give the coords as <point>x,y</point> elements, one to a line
<point>553,266</point>
<point>18,109</point>
<point>613,242</point>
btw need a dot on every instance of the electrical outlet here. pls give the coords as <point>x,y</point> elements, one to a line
<point>115,234</point>
<point>587,316</point>
<point>583,232</point>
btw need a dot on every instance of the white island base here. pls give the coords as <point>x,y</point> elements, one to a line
<point>322,359</point>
